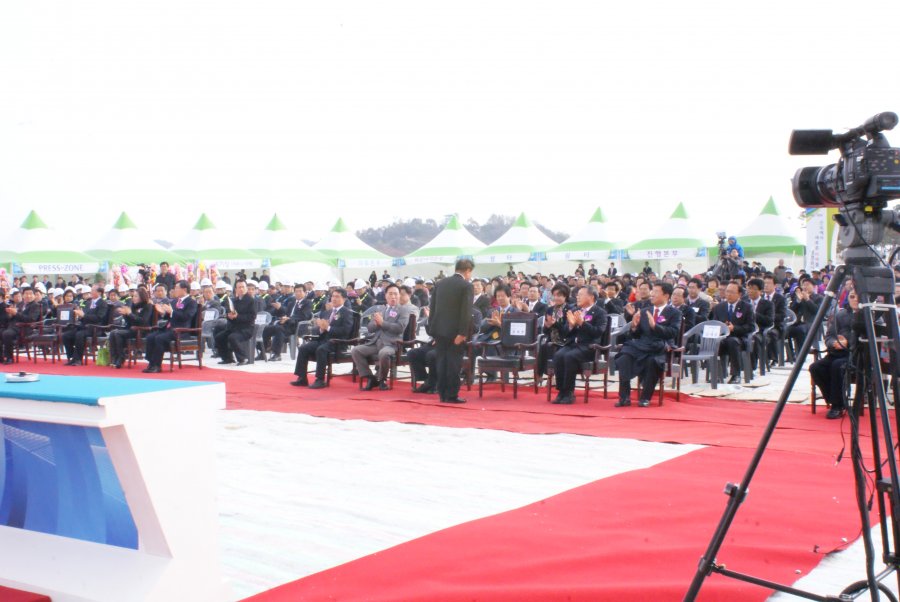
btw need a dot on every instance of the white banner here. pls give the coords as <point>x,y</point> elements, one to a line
<point>816,241</point>
<point>579,255</point>
<point>60,268</point>
<point>233,264</point>
<point>664,254</point>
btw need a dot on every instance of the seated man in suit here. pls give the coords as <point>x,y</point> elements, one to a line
<point>490,326</point>
<point>644,349</point>
<point>94,313</point>
<point>763,311</point>
<point>582,328</point>
<point>688,315</point>
<point>480,300</point>
<point>179,312</point>
<point>386,327</point>
<point>231,341</point>
<point>696,301</point>
<point>554,328</point>
<point>828,372</point>
<point>286,316</point>
<point>772,293</point>
<point>25,311</point>
<point>738,316</point>
<point>641,302</point>
<point>613,304</point>
<point>333,323</point>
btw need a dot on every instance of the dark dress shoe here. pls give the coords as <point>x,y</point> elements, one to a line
<point>319,384</point>
<point>423,389</point>
<point>834,413</point>
<point>151,370</point>
<point>10,360</point>
<point>226,361</point>
<point>644,403</point>
<point>118,365</point>
<point>370,384</point>
<point>734,380</point>
<point>300,382</point>
<point>260,357</point>
<point>383,386</point>
<point>567,399</point>
<point>490,378</point>
<point>453,400</point>
<point>68,363</point>
<point>623,403</point>
<point>275,358</point>
<point>74,362</point>
<point>243,362</point>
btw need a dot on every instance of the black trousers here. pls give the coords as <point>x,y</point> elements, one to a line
<point>828,374</point>
<point>422,364</point>
<point>797,334</point>
<point>277,334</point>
<point>156,345</point>
<point>73,342</point>
<point>10,335</point>
<point>448,363</point>
<point>316,350</point>
<point>116,343</point>
<point>731,348</point>
<point>567,363</point>
<point>646,369</point>
<point>231,344</point>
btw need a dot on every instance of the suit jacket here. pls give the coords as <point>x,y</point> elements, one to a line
<point>764,313</point>
<point>614,306</point>
<point>246,308</point>
<point>450,308</point>
<point>184,313</point>
<point>27,313</point>
<point>700,307</point>
<point>95,312</point>
<point>806,310</point>
<point>483,304</point>
<point>590,331</point>
<point>396,319</point>
<point>780,304</point>
<point>688,316</point>
<point>340,325</point>
<point>540,308</point>
<point>488,331</point>
<point>647,340</point>
<point>639,307</point>
<point>140,315</point>
<point>743,319</point>
<point>841,323</point>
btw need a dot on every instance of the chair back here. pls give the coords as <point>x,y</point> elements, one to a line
<point>711,334</point>
<point>65,314</point>
<point>518,328</point>
<point>263,318</point>
<point>411,329</point>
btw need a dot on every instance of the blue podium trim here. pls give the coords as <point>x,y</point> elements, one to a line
<point>88,390</point>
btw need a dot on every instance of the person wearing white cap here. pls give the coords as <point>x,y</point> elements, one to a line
<point>364,298</point>
<point>195,291</point>
<point>206,282</point>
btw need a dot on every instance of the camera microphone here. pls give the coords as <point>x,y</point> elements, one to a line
<point>811,142</point>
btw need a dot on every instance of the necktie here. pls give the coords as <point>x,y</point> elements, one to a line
<point>730,311</point>
<point>333,313</point>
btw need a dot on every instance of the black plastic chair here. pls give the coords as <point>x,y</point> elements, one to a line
<point>518,336</point>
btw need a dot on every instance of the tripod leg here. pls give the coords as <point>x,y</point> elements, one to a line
<point>737,493</point>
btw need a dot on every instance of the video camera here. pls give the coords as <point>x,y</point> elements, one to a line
<point>722,239</point>
<point>868,171</point>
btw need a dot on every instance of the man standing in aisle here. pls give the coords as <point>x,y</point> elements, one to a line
<point>449,320</point>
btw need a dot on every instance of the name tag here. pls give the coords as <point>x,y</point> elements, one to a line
<point>588,318</point>
<point>738,314</point>
<point>660,319</point>
<point>392,313</point>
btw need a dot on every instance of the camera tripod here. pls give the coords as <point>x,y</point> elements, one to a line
<point>875,324</point>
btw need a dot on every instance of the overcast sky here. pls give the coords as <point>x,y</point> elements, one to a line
<point>381,110</point>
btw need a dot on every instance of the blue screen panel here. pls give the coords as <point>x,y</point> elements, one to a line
<point>59,479</point>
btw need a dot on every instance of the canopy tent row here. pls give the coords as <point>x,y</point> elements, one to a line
<point>593,241</point>
<point>289,258</point>
<point>522,242</point>
<point>770,235</point>
<point>348,250</point>
<point>451,243</point>
<point>126,244</point>
<point>205,244</point>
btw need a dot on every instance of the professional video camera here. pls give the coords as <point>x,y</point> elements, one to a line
<point>861,183</point>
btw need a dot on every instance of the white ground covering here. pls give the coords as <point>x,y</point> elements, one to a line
<point>300,494</point>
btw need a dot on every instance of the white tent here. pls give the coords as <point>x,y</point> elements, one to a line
<point>344,246</point>
<point>126,244</point>
<point>521,243</point>
<point>594,241</point>
<point>34,248</point>
<point>290,259</point>
<point>675,241</point>
<point>770,235</point>
<point>452,243</point>
<point>213,248</point>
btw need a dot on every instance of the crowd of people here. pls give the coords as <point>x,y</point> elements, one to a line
<point>657,308</point>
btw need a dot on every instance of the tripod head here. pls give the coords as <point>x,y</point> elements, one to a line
<point>862,225</point>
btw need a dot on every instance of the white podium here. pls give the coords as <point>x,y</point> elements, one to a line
<point>107,489</point>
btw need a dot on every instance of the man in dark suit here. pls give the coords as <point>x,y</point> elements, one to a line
<point>582,328</point>
<point>779,303</point>
<point>165,276</point>
<point>651,331</point>
<point>828,372</point>
<point>806,305</point>
<point>180,312</point>
<point>284,322</point>
<point>231,341</point>
<point>738,316</point>
<point>26,311</point>
<point>763,311</point>
<point>448,322</point>
<point>688,315</point>
<point>334,323</point>
<point>480,300</point>
<point>94,313</point>
<point>696,302</point>
<point>613,304</point>
<point>612,271</point>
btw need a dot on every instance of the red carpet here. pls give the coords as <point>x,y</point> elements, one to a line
<point>16,595</point>
<point>635,536</point>
<point>697,420</point>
